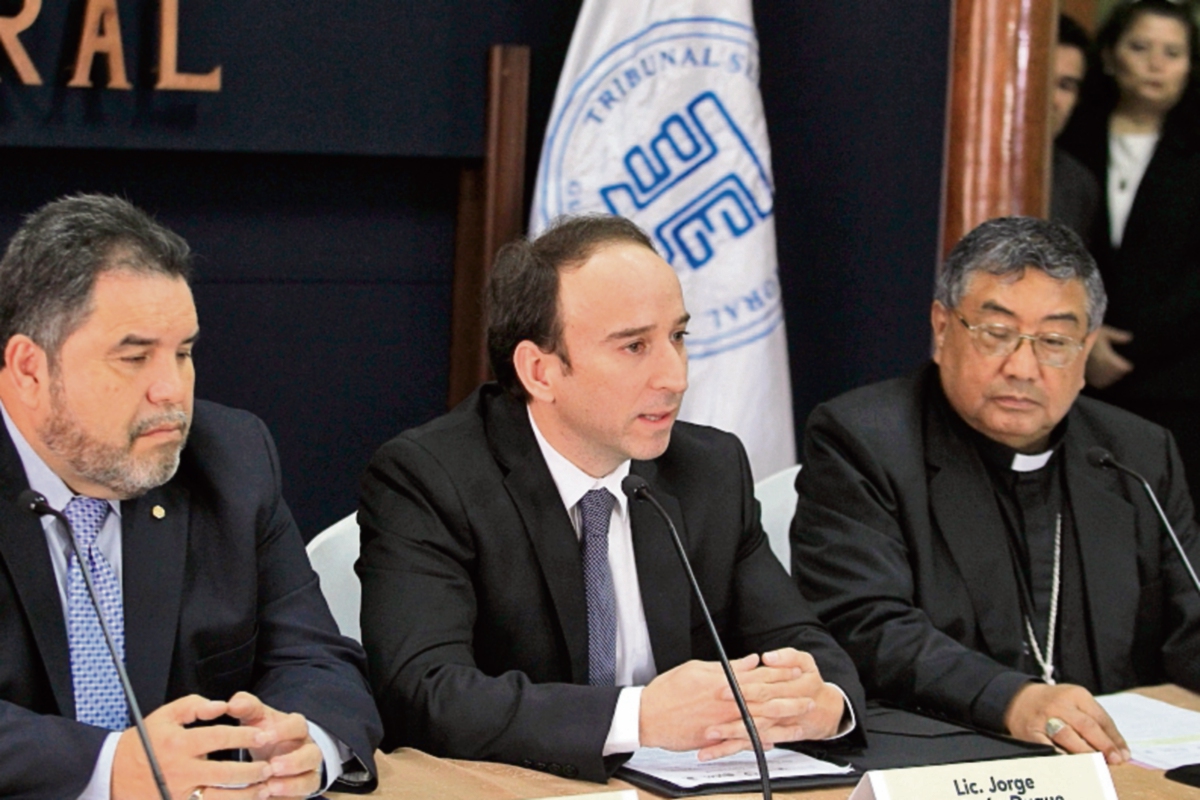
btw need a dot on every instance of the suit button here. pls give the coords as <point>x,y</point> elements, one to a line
<point>555,769</point>
<point>540,766</point>
<point>526,763</point>
<point>570,771</point>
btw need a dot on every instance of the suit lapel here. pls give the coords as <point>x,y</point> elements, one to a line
<point>24,550</point>
<point>153,551</point>
<point>965,510</point>
<point>537,500</point>
<point>1103,522</point>
<point>664,586</point>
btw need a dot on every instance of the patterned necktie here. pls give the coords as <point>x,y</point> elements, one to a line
<point>596,511</point>
<point>98,697</point>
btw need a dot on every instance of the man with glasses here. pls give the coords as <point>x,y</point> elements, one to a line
<point>953,536</point>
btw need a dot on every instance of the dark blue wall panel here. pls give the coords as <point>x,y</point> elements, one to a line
<point>384,77</point>
<point>322,283</point>
<point>334,369</point>
<point>323,280</point>
<point>855,96</point>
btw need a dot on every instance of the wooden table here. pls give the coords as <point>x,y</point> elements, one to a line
<point>411,775</point>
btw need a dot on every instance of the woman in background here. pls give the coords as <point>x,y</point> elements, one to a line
<point>1137,128</point>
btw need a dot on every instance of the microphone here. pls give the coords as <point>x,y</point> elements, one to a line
<point>636,488</point>
<point>1101,458</point>
<point>36,504</point>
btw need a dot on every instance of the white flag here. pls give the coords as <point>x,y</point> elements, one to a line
<point>658,118</point>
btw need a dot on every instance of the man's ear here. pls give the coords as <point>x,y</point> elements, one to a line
<point>27,369</point>
<point>939,320</point>
<point>536,370</point>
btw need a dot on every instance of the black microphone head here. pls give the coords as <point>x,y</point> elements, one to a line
<point>1099,457</point>
<point>633,486</point>
<point>33,502</point>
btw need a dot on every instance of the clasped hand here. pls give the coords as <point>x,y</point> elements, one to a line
<point>691,707</point>
<point>285,760</point>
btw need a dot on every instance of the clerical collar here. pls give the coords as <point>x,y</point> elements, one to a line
<point>1004,458</point>
<point>1000,457</point>
<point>1027,463</point>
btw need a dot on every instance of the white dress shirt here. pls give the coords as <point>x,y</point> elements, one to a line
<point>635,660</point>
<point>1128,156</point>
<point>46,482</point>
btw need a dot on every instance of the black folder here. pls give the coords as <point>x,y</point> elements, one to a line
<point>895,738</point>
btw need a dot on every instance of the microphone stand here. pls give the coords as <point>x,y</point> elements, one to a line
<point>36,504</point>
<point>1188,774</point>
<point>637,489</point>
<point>1099,457</point>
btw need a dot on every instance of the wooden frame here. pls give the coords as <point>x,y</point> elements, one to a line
<point>998,123</point>
<point>491,212</point>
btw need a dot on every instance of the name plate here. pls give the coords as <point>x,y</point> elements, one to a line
<point>1081,777</point>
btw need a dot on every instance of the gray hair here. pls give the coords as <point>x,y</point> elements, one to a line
<point>1010,245</point>
<point>51,265</point>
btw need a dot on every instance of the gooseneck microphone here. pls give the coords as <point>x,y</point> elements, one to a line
<point>1101,458</point>
<point>636,488</point>
<point>35,503</point>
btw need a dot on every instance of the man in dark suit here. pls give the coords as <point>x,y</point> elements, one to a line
<point>953,535</point>
<point>1074,191</point>
<point>200,569</point>
<point>516,606</point>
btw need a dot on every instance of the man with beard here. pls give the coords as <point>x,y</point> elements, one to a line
<point>557,629</point>
<point>200,569</point>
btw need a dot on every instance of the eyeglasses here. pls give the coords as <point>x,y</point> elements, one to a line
<point>1051,349</point>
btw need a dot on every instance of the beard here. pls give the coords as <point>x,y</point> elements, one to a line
<point>114,467</point>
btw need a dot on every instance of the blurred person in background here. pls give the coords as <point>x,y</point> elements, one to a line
<point>1137,128</point>
<point>1075,193</point>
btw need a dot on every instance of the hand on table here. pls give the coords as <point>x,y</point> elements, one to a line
<point>681,705</point>
<point>1087,727</point>
<point>182,753</point>
<point>283,742</point>
<point>788,700</point>
<point>692,707</point>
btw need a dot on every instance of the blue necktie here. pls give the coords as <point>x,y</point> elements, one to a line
<point>596,511</point>
<point>98,697</point>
